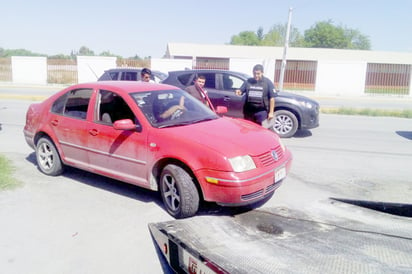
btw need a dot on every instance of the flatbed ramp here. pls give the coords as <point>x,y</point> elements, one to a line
<point>341,239</point>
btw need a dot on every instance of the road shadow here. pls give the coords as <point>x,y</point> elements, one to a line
<point>405,134</point>
<point>144,195</point>
<point>106,183</point>
<point>302,133</point>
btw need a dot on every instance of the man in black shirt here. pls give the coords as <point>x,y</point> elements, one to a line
<point>260,97</point>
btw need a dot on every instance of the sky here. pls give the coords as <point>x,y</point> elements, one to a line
<point>144,28</point>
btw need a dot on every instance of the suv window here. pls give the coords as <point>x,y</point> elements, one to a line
<point>231,82</point>
<point>210,80</point>
<point>114,75</point>
<point>129,76</point>
<point>185,79</point>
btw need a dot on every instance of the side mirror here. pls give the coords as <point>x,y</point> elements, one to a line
<point>221,109</point>
<point>124,124</point>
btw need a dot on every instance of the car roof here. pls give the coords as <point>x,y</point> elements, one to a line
<point>125,86</point>
<point>137,69</point>
<point>209,70</point>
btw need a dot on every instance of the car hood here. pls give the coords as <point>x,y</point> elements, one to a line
<point>296,97</point>
<point>228,136</point>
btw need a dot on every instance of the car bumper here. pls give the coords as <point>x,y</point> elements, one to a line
<point>29,137</point>
<point>234,189</point>
<point>310,118</point>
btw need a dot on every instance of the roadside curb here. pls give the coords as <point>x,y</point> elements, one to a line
<point>23,97</point>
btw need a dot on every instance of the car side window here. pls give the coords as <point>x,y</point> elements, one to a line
<point>77,103</point>
<point>185,79</point>
<point>58,105</point>
<point>114,75</point>
<point>112,107</point>
<point>231,83</point>
<point>210,80</point>
<point>129,76</point>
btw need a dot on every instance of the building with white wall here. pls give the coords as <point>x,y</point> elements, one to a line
<point>322,71</point>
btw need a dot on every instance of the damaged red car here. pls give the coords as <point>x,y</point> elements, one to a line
<point>157,137</point>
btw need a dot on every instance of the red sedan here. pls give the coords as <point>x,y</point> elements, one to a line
<point>157,137</point>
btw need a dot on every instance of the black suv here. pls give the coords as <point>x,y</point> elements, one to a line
<point>130,74</point>
<point>292,111</point>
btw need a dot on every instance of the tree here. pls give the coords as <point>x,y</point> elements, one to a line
<point>277,35</point>
<point>357,40</point>
<point>18,52</point>
<point>260,34</point>
<point>85,51</point>
<point>248,38</point>
<point>325,34</point>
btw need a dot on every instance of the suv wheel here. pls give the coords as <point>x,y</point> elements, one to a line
<point>286,123</point>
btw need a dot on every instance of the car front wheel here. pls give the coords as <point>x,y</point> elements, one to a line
<point>286,123</point>
<point>48,158</point>
<point>179,193</point>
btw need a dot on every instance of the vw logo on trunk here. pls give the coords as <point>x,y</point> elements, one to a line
<point>275,155</point>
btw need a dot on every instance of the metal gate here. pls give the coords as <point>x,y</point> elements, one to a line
<point>391,79</point>
<point>299,75</point>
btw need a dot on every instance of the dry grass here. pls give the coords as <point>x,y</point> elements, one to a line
<point>7,181</point>
<point>369,112</point>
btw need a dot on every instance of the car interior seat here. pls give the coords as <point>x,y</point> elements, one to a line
<point>106,118</point>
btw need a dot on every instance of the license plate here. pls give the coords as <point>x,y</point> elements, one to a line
<point>280,174</point>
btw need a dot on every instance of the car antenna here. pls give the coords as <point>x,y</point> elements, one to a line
<point>97,77</point>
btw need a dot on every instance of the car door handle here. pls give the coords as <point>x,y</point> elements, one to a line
<point>226,98</point>
<point>94,132</point>
<point>54,122</point>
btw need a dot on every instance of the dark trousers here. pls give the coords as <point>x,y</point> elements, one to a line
<point>258,117</point>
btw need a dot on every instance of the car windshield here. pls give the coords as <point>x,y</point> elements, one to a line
<point>168,108</point>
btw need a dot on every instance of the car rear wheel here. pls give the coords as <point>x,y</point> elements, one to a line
<point>286,123</point>
<point>179,193</point>
<point>48,158</point>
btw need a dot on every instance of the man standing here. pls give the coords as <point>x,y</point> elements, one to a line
<point>197,90</point>
<point>260,97</point>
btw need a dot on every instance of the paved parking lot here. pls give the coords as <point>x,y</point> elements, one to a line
<point>84,223</point>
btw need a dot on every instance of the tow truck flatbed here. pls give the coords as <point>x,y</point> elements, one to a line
<point>342,238</point>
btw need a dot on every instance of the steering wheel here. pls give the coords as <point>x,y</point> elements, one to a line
<point>176,114</point>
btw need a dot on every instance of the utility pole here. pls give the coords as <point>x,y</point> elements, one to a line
<point>285,50</point>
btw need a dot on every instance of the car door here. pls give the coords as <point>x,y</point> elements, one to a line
<point>68,121</point>
<point>117,153</point>
<point>224,93</point>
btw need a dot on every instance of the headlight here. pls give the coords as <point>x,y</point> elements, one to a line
<point>306,104</point>
<point>242,163</point>
<point>281,144</point>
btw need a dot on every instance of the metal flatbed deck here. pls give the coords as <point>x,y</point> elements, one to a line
<point>342,238</point>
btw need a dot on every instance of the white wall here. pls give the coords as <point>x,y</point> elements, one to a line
<point>90,68</point>
<point>244,65</point>
<point>340,77</point>
<point>166,65</point>
<point>29,70</point>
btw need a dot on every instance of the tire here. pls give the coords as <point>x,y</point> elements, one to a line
<point>48,159</point>
<point>179,193</point>
<point>286,123</point>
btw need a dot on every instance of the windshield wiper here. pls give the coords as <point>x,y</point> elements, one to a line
<point>185,123</point>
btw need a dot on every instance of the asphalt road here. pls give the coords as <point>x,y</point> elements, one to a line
<point>84,223</point>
